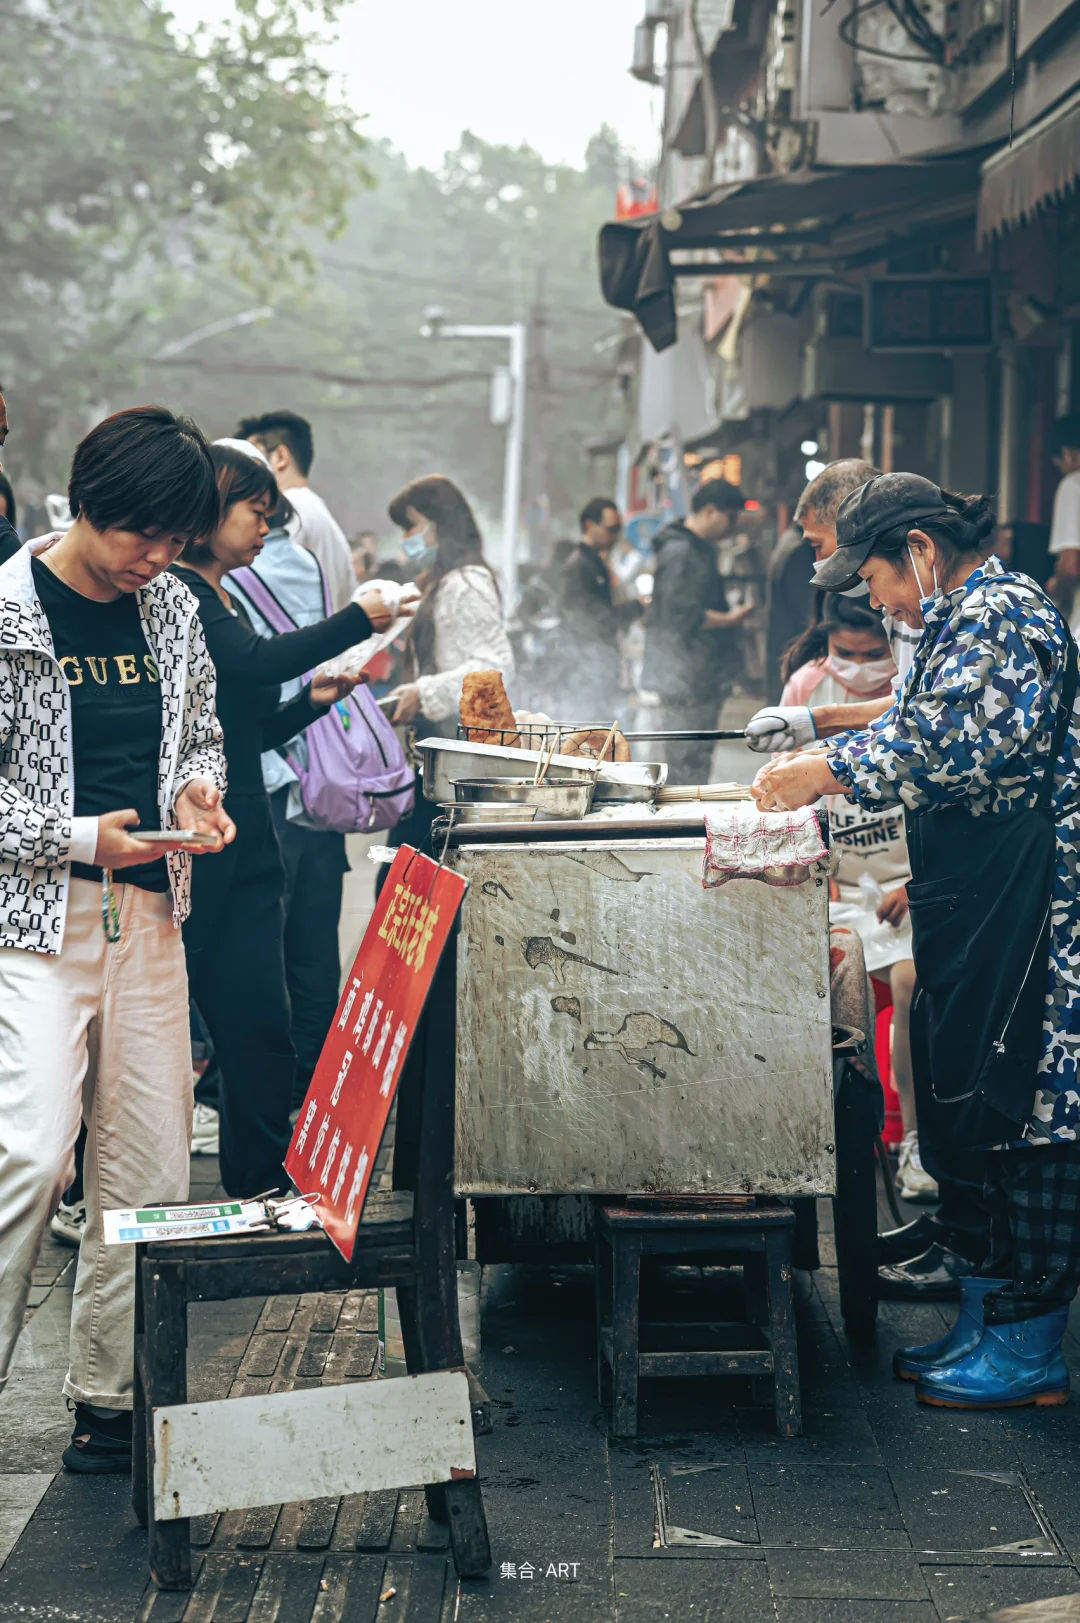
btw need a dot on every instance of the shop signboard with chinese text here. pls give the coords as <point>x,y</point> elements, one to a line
<point>340,1127</point>
<point>909,314</point>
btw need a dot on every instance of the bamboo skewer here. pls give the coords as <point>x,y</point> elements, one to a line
<point>608,744</point>
<point>680,794</point>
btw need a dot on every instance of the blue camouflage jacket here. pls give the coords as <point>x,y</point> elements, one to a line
<point>975,724</point>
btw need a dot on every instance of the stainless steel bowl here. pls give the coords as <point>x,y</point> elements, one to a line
<point>555,797</point>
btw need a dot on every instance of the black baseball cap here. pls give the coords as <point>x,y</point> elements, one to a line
<point>890,501</point>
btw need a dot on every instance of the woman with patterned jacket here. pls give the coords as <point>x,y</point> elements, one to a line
<point>982,750</point>
<point>107,721</point>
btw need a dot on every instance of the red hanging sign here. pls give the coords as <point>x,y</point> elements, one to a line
<point>340,1127</point>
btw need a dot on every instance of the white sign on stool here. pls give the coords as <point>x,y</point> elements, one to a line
<point>330,1440</point>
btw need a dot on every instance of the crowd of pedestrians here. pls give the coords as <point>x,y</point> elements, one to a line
<point>172,863</point>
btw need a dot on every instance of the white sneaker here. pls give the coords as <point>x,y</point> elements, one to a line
<point>912,1181</point>
<point>69,1222</point>
<point>204,1131</point>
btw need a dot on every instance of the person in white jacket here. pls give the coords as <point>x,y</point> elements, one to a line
<point>459,624</point>
<point>107,724</point>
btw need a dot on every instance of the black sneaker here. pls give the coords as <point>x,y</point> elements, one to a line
<point>98,1445</point>
<point>932,1277</point>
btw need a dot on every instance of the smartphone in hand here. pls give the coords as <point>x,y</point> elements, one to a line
<point>172,836</point>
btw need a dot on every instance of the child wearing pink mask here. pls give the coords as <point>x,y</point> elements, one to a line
<point>844,659</point>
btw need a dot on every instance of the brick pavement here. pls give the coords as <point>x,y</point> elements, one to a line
<point>880,1513</point>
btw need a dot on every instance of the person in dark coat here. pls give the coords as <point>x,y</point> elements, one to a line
<point>790,604</point>
<point>691,656</point>
<point>9,539</point>
<point>589,617</point>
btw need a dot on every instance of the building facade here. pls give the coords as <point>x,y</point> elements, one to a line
<point>867,239</point>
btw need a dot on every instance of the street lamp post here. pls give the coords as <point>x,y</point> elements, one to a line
<point>436,326</point>
<point>213,329</point>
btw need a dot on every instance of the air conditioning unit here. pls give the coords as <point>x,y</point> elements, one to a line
<point>643,66</point>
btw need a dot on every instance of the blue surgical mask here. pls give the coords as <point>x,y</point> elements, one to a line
<point>417,547</point>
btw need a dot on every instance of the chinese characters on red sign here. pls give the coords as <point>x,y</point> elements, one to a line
<point>340,1127</point>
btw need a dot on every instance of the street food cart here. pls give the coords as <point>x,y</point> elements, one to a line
<point>622,1030</point>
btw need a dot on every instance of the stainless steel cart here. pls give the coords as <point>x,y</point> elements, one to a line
<point>622,1030</point>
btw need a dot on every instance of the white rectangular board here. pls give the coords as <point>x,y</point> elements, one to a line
<point>128,1225</point>
<point>286,1446</point>
<point>622,1030</point>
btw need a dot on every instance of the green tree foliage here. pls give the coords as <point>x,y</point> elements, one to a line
<point>127,151</point>
<point>155,185</point>
<point>497,235</point>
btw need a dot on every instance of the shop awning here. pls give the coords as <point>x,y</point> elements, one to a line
<point>806,221</point>
<point>1040,167</point>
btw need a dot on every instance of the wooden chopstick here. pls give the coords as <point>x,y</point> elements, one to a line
<point>607,744</point>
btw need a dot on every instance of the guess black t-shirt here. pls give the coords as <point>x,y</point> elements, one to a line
<point>115,710</point>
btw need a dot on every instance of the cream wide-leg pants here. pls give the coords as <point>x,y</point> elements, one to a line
<point>99,1031</point>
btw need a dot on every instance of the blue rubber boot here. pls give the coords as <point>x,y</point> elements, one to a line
<point>910,1362</point>
<point>1013,1364</point>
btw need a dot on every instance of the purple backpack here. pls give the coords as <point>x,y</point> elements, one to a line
<point>356,779</point>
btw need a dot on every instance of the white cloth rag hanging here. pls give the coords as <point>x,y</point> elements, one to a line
<point>777,847</point>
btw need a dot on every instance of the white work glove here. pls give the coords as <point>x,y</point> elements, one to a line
<point>780,727</point>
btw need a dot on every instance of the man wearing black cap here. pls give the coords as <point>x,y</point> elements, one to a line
<point>9,540</point>
<point>689,658</point>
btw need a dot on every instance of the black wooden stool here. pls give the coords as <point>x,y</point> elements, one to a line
<point>405,1239</point>
<point>720,1229</point>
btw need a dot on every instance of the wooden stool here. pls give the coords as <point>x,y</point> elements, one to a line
<point>405,1239</point>
<point>718,1229</point>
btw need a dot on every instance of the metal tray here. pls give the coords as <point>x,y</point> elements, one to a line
<point>445,759</point>
<point>555,797</point>
<point>497,812</point>
<point>634,780</point>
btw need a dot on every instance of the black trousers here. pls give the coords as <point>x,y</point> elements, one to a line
<point>1033,1196</point>
<point>963,1212</point>
<point>315,868</point>
<point>1015,1212</point>
<point>690,762</point>
<point>234,941</point>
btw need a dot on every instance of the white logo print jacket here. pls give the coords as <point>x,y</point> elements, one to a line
<point>36,790</point>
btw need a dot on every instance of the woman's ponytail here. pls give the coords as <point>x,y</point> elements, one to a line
<point>970,524</point>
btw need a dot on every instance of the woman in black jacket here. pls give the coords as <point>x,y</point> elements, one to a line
<point>234,938</point>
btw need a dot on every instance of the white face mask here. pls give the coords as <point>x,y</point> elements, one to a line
<point>932,597</point>
<point>862,676</point>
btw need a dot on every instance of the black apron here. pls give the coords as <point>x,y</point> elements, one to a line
<point>980,898</point>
